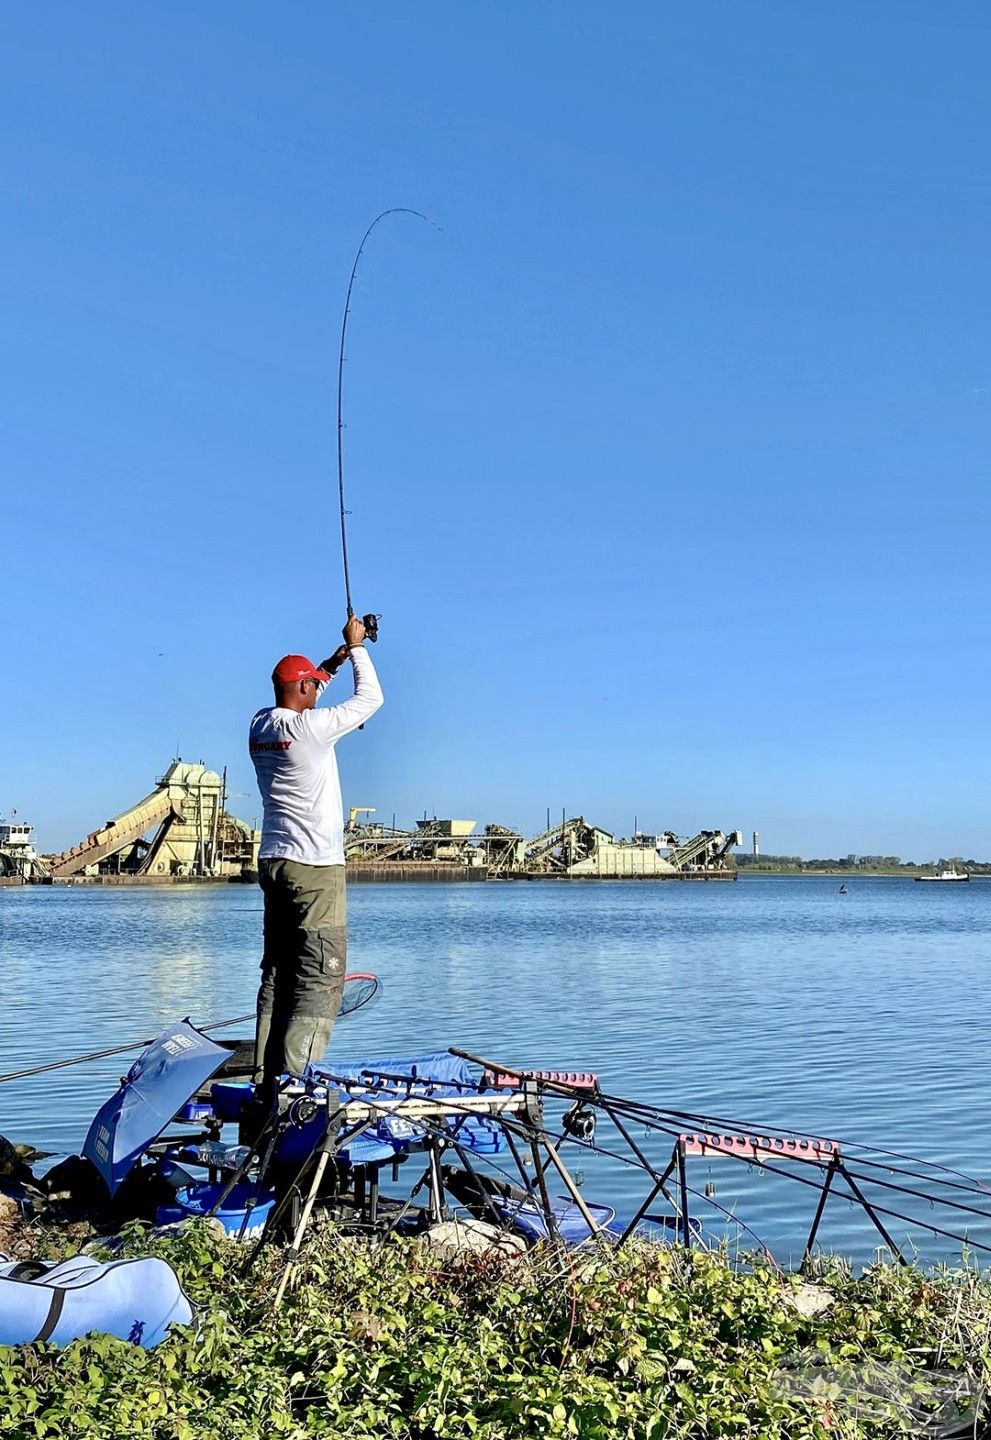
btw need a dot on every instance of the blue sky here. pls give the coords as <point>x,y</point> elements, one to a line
<point>667,459</point>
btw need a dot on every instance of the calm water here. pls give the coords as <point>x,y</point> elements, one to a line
<point>863,1017</point>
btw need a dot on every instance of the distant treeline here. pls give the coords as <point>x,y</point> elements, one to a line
<point>861,864</point>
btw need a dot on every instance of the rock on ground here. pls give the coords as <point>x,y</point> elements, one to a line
<point>471,1237</point>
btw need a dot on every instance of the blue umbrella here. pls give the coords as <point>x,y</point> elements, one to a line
<point>162,1079</point>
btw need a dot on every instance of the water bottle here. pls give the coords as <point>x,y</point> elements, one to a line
<point>219,1156</point>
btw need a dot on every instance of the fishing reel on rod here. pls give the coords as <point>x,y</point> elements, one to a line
<point>578,1121</point>
<point>371,624</point>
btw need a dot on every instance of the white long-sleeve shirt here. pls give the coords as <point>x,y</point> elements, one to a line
<point>296,764</point>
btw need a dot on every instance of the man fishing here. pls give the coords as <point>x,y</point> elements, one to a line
<point>301,860</point>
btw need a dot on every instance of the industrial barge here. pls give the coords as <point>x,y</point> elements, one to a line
<point>182,832</point>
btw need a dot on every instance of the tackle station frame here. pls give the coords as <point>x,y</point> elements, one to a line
<point>509,1182</point>
<point>489,1142</point>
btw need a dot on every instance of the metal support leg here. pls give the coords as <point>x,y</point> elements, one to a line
<point>656,1190</point>
<point>826,1185</point>
<point>686,1228</point>
<point>629,1138</point>
<point>875,1219</point>
<point>550,1219</point>
<point>462,1154</point>
<point>436,1186</point>
<point>328,1145</point>
<point>530,1127</point>
<point>514,1151</point>
<point>572,1189</point>
<point>304,1219</point>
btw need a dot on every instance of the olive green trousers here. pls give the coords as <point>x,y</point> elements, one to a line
<point>303,961</point>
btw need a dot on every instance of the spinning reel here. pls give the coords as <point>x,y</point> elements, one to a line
<point>578,1121</point>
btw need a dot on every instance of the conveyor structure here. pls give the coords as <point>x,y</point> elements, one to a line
<point>180,829</point>
<point>577,849</point>
<point>572,849</point>
<point>707,850</point>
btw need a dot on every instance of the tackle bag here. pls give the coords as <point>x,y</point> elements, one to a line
<point>136,1300</point>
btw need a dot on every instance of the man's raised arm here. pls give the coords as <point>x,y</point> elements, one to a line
<point>350,714</point>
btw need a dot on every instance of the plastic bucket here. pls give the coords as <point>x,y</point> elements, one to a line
<point>245,1200</point>
<point>195,1110</point>
<point>229,1098</point>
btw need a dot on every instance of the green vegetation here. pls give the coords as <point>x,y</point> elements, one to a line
<point>855,865</point>
<point>393,1341</point>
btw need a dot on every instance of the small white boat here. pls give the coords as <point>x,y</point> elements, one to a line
<point>945,875</point>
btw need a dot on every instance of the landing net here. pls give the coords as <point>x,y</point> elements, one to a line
<point>360,991</point>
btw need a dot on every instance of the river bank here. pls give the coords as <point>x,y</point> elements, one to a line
<point>397,1341</point>
<point>839,872</point>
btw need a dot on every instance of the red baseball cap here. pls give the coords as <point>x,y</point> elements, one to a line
<point>296,667</point>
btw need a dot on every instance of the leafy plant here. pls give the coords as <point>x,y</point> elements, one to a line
<point>392,1341</point>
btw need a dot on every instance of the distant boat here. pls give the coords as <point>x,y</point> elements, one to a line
<point>945,875</point>
<point>843,890</point>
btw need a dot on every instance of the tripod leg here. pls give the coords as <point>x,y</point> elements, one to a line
<point>304,1220</point>
<point>823,1197</point>
<point>436,1187</point>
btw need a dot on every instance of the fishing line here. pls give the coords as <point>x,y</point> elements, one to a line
<point>976,1187</point>
<point>873,1179</point>
<point>655,1120</point>
<point>720,1123</point>
<point>892,1214</point>
<point>917,1194</point>
<point>372,629</point>
<point>717,1123</point>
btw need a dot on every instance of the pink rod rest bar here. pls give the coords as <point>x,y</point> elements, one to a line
<point>577,1079</point>
<point>759,1147</point>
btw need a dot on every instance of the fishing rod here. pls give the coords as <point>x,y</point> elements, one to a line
<point>106,1054</point>
<point>385,1087</point>
<point>360,989</point>
<point>370,622</point>
<point>669,1122</point>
